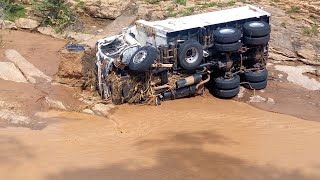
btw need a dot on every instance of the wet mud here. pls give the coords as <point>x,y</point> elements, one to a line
<point>195,138</point>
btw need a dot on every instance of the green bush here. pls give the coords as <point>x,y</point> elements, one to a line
<point>12,10</point>
<point>181,2</point>
<point>311,31</point>
<point>55,13</point>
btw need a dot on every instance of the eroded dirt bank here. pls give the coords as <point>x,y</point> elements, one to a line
<point>208,139</point>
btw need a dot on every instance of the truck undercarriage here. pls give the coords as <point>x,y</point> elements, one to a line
<point>154,61</point>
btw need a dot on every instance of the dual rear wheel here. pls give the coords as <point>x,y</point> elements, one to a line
<point>230,87</point>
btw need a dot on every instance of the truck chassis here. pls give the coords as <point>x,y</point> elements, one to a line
<point>175,58</point>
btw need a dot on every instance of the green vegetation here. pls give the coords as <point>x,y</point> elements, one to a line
<point>226,4</point>
<point>80,4</point>
<point>170,12</point>
<point>218,4</point>
<point>55,13</point>
<point>181,2</point>
<point>187,12</point>
<point>207,4</point>
<point>152,1</point>
<point>311,31</point>
<point>12,10</point>
<point>273,2</point>
<point>1,40</point>
<point>293,9</point>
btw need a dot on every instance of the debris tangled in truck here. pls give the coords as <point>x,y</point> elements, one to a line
<point>164,60</point>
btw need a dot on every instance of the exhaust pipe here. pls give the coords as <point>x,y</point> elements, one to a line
<point>188,81</point>
<point>180,93</point>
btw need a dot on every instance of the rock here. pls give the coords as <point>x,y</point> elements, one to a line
<point>112,29</point>
<point>257,99</point>
<point>25,23</point>
<point>280,57</point>
<point>9,72</point>
<point>102,109</point>
<point>276,12</point>
<point>109,9</point>
<point>50,32</point>
<point>4,24</point>
<point>53,104</point>
<point>28,69</point>
<point>307,52</point>
<point>296,76</point>
<point>280,76</point>
<point>241,93</point>
<point>88,111</point>
<point>283,44</point>
<point>270,101</point>
<point>78,37</point>
<point>13,118</point>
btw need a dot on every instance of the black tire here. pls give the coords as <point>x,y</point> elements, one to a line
<point>228,47</point>
<point>256,28</point>
<point>256,76</point>
<point>227,35</point>
<point>222,83</point>
<point>226,93</point>
<point>257,40</point>
<point>190,54</point>
<point>142,60</point>
<point>256,85</point>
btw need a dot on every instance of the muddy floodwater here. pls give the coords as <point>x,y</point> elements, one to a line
<point>195,138</point>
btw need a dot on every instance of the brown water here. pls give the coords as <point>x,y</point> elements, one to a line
<point>196,138</point>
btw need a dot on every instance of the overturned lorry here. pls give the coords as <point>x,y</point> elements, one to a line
<point>174,58</point>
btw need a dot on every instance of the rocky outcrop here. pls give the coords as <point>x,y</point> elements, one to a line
<point>71,35</point>
<point>10,72</point>
<point>25,23</point>
<point>108,9</point>
<point>288,42</point>
<point>4,24</point>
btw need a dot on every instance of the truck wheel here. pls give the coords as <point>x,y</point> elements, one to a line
<point>227,35</point>
<point>257,40</point>
<point>226,93</point>
<point>256,29</point>
<point>222,83</point>
<point>143,59</point>
<point>190,54</point>
<point>228,47</point>
<point>256,76</point>
<point>256,85</point>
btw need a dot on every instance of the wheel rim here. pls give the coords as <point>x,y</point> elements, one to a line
<point>192,55</point>
<point>256,24</point>
<point>227,31</point>
<point>140,56</point>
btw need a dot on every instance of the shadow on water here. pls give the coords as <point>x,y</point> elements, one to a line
<point>182,156</point>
